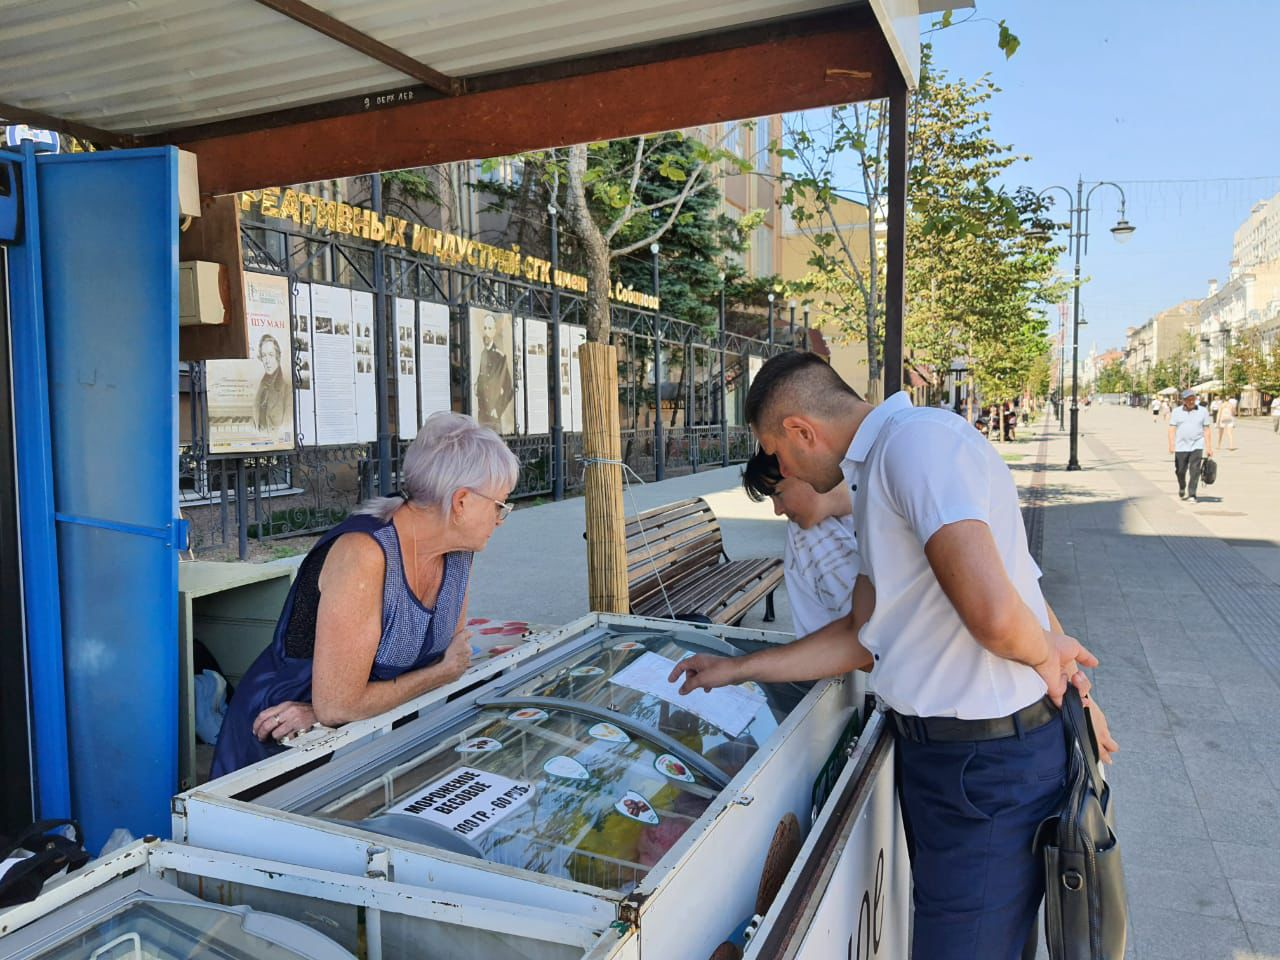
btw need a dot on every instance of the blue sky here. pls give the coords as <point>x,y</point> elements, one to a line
<point>1137,91</point>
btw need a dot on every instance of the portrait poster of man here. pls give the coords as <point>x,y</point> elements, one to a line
<point>236,400</point>
<point>492,379</point>
<point>266,299</point>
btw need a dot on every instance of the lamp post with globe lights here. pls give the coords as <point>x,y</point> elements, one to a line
<point>1078,242</point>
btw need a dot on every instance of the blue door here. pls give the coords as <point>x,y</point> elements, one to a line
<point>101,250</point>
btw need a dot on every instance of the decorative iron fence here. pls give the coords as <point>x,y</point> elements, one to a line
<point>232,502</point>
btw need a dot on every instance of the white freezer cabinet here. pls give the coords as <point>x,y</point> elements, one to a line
<point>576,786</point>
<point>167,901</point>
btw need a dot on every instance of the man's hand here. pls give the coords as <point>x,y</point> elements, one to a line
<point>706,672</point>
<point>1062,665</point>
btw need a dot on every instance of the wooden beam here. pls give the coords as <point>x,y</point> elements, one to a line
<point>33,118</point>
<point>840,64</point>
<point>348,36</point>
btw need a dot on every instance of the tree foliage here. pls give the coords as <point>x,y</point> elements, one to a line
<point>976,273</point>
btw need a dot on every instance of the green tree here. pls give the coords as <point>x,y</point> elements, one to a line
<point>1114,378</point>
<point>975,272</point>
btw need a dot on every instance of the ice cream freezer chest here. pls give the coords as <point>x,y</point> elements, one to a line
<point>579,785</point>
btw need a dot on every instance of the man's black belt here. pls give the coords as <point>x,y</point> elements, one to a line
<point>951,729</point>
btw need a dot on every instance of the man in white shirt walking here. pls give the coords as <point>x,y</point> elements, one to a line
<point>1275,414</point>
<point>948,613</point>
<point>1190,437</point>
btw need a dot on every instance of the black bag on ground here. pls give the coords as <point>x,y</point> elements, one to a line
<point>1208,470</point>
<point>50,853</point>
<point>1085,910</point>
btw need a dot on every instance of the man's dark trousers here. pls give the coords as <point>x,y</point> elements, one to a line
<point>972,810</point>
<point>1185,461</point>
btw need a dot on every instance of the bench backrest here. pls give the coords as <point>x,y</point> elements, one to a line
<point>669,542</point>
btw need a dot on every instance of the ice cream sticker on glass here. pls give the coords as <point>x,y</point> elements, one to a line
<point>629,645</point>
<point>586,671</point>
<point>636,807</point>
<point>479,745</point>
<point>528,713</point>
<point>607,731</point>
<point>566,767</point>
<point>669,766</point>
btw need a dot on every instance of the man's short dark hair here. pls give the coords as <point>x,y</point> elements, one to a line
<point>800,381</point>
<point>761,476</point>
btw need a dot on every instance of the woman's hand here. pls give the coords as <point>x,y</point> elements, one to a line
<point>284,720</point>
<point>458,657</point>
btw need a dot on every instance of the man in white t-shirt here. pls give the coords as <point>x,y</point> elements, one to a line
<point>1275,415</point>
<point>1190,438</point>
<point>948,613</point>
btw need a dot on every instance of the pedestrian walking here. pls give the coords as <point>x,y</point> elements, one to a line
<point>1227,423</point>
<point>961,645</point>
<point>1190,439</point>
<point>1275,414</point>
<point>1155,408</point>
<point>1165,410</point>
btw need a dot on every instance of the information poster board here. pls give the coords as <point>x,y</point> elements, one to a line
<point>406,366</point>
<point>576,336</point>
<point>335,365</point>
<point>366,379</point>
<point>518,374</point>
<point>266,300</point>
<point>304,365</point>
<point>753,367</point>
<point>535,372</point>
<point>492,377</point>
<point>433,359</point>
<point>233,388</point>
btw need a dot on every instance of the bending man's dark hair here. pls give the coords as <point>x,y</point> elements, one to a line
<point>761,476</point>
<point>796,382</point>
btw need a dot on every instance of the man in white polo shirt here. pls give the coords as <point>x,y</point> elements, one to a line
<point>963,648</point>
<point>1190,436</point>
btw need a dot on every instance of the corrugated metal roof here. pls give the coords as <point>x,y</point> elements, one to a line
<point>143,66</point>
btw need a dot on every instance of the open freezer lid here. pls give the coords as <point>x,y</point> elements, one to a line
<point>142,918</point>
<point>587,768</point>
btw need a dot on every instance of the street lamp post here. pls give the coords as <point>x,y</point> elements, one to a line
<point>557,411</point>
<point>659,452</point>
<point>791,327</point>
<point>806,326</point>
<point>724,413</point>
<point>771,319</point>
<point>1079,239</point>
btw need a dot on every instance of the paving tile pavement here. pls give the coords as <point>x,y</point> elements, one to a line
<point>1181,602</point>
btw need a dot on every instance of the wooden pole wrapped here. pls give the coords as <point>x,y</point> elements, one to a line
<point>601,441</point>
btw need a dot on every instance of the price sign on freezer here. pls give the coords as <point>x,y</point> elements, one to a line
<point>469,801</point>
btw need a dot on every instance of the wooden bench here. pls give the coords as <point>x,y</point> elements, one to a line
<point>676,565</point>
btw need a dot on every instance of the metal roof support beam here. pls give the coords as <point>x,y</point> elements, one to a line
<point>101,138</point>
<point>348,36</point>
<point>845,61</point>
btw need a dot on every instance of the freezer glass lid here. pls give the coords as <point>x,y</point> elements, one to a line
<point>590,771</point>
<point>172,930</point>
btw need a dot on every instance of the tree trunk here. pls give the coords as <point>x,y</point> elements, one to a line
<point>595,247</point>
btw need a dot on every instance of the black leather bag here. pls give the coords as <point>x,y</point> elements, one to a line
<point>1085,908</point>
<point>50,853</point>
<point>1208,470</point>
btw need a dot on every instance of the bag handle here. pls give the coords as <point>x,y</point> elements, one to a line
<point>1079,727</point>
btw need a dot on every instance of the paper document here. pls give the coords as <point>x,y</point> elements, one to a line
<point>729,708</point>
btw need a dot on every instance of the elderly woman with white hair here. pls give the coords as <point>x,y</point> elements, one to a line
<point>376,614</point>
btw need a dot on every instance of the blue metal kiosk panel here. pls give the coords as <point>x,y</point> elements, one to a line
<point>110,265</point>
<point>43,625</point>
